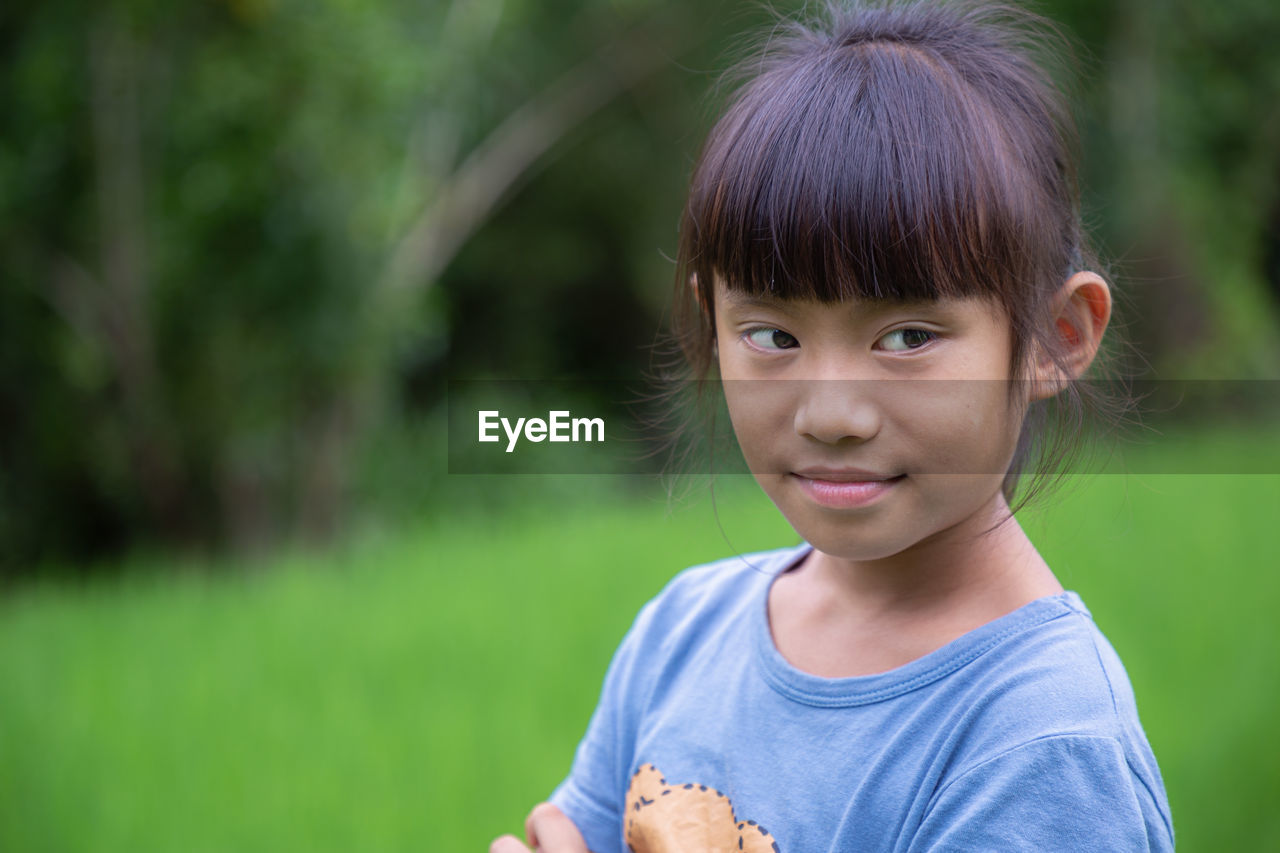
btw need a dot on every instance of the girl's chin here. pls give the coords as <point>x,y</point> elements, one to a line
<point>853,542</point>
<point>857,552</point>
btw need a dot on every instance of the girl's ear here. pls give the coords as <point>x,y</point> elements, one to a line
<point>1082,308</point>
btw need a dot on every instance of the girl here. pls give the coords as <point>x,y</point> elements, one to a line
<point>882,257</point>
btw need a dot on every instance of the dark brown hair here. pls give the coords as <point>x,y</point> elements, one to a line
<point>898,151</point>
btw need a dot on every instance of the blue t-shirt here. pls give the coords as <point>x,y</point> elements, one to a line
<point>1020,735</point>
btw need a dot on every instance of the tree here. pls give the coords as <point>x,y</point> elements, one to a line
<point>218,221</point>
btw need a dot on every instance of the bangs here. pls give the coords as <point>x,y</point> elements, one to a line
<point>873,168</point>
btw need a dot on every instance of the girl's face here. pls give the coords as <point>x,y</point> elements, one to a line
<point>874,426</point>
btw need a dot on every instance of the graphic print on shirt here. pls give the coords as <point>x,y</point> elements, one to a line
<point>666,818</point>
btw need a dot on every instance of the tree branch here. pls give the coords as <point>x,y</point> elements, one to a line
<point>472,192</point>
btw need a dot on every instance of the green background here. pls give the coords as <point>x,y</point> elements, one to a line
<point>243,605</point>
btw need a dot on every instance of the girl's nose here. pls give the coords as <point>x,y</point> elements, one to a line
<point>833,410</point>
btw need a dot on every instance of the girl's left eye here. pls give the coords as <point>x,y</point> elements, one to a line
<point>902,340</point>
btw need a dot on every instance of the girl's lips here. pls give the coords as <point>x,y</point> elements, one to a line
<point>846,492</point>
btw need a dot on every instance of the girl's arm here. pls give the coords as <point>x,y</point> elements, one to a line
<point>547,830</point>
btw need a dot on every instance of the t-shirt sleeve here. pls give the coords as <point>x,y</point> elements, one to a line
<point>593,793</point>
<point>1062,793</point>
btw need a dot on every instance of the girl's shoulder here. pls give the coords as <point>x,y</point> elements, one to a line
<point>1053,677</point>
<point>715,602</point>
<point>1060,651</point>
<point>723,585</point>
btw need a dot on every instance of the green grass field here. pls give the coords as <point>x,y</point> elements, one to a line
<point>420,690</point>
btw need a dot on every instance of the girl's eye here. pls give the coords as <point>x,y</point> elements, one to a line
<point>771,339</point>
<point>901,340</point>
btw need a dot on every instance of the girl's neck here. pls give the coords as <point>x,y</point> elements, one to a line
<point>989,555</point>
<point>837,617</point>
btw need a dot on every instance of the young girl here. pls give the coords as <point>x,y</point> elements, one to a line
<point>882,257</point>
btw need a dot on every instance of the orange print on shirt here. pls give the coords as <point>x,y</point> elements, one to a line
<point>665,818</point>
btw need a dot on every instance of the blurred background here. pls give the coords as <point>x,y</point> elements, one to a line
<point>245,244</point>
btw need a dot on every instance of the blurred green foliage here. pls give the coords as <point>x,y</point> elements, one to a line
<point>220,225</point>
<point>243,243</point>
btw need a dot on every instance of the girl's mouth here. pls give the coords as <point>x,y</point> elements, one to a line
<point>845,489</point>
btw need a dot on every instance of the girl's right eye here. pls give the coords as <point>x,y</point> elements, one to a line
<point>771,339</point>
